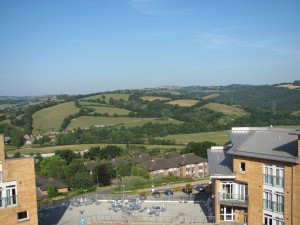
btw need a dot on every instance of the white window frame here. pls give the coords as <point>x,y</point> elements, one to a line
<point>23,219</point>
<point>242,170</point>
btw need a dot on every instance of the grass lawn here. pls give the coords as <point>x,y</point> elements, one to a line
<point>226,109</point>
<point>184,102</point>
<point>5,106</point>
<point>50,119</point>
<point>109,110</point>
<point>219,137</point>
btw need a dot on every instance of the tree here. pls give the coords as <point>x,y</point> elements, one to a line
<point>139,170</point>
<point>53,167</point>
<point>67,155</point>
<point>124,170</point>
<point>198,148</point>
<point>52,191</point>
<point>102,175</point>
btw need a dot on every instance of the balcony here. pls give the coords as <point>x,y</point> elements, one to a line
<point>273,206</point>
<point>273,181</point>
<point>8,201</point>
<point>233,199</point>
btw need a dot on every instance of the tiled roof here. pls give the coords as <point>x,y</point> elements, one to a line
<point>188,159</point>
<point>43,183</point>
<point>219,162</point>
<point>118,161</point>
<point>160,164</point>
<point>265,143</point>
<point>142,158</point>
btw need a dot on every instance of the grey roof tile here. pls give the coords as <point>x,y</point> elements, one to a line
<point>220,163</point>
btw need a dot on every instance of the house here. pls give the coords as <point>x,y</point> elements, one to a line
<point>17,190</point>
<point>256,180</point>
<point>188,165</point>
<point>42,184</point>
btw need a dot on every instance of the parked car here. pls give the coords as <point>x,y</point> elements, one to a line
<point>200,188</point>
<point>169,192</point>
<point>187,191</point>
<point>156,194</point>
<point>143,197</point>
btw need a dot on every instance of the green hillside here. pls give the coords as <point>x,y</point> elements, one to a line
<point>50,119</point>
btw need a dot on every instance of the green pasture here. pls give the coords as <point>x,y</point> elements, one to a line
<point>226,109</point>
<point>143,121</point>
<point>108,96</point>
<point>81,147</point>
<point>7,121</point>
<point>219,137</point>
<point>296,113</point>
<point>109,110</point>
<point>6,106</point>
<point>211,96</point>
<point>152,98</point>
<point>84,103</point>
<point>50,119</point>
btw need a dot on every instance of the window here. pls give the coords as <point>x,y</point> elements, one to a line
<point>22,215</point>
<point>242,167</point>
<point>227,213</point>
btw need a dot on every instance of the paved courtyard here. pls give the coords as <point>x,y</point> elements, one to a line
<point>177,212</point>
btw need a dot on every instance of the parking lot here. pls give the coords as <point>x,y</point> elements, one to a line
<point>128,209</point>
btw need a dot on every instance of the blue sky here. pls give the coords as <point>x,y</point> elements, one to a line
<point>87,46</point>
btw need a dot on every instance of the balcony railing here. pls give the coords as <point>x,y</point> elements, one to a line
<point>233,199</point>
<point>8,201</point>
<point>273,180</point>
<point>273,206</point>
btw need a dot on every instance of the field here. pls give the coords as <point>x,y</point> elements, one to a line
<point>289,86</point>
<point>219,137</point>
<point>107,96</point>
<point>86,122</point>
<point>83,103</point>
<point>82,147</point>
<point>50,119</point>
<point>109,110</point>
<point>296,113</point>
<point>6,106</point>
<point>227,110</point>
<point>211,96</point>
<point>152,120</point>
<point>152,98</point>
<point>184,102</point>
<point>7,121</point>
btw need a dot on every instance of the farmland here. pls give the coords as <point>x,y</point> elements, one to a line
<point>50,119</point>
<point>219,137</point>
<point>184,102</point>
<point>143,121</point>
<point>82,147</point>
<point>110,110</point>
<point>152,98</point>
<point>227,110</point>
<point>108,96</point>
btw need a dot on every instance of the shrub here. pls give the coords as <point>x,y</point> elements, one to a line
<point>133,182</point>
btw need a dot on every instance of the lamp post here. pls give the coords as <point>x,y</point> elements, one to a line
<point>85,193</point>
<point>123,192</point>
<point>152,185</point>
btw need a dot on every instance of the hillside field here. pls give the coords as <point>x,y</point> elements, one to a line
<point>152,98</point>
<point>219,137</point>
<point>50,119</point>
<point>108,96</point>
<point>109,110</point>
<point>82,147</point>
<point>184,102</point>
<point>143,121</point>
<point>226,109</point>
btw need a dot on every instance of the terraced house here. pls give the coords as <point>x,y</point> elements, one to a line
<point>17,190</point>
<point>257,179</point>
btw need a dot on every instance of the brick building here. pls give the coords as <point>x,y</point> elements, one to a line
<point>257,179</point>
<point>17,190</point>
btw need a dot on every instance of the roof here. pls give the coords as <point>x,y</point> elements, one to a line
<point>90,165</point>
<point>44,183</point>
<point>188,159</point>
<point>265,143</point>
<point>142,158</point>
<point>116,162</point>
<point>219,162</point>
<point>160,164</point>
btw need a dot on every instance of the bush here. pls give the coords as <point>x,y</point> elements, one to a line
<point>134,182</point>
<point>52,191</point>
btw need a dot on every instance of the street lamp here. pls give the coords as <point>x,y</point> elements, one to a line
<point>85,193</point>
<point>123,193</point>
<point>152,185</point>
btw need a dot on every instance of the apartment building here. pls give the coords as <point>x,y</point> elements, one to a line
<point>17,190</point>
<point>256,180</point>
